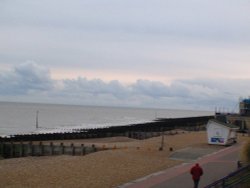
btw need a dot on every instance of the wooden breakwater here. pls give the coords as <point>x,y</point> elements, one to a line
<point>137,131</point>
<point>13,150</point>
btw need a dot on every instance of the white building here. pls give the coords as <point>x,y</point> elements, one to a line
<point>220,133</point>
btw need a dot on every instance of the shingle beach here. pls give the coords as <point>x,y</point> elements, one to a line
<point>128,160</point>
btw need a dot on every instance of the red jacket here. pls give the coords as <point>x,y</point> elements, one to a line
<point>196,172</point>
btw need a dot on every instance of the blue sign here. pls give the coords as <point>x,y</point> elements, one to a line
<point>217,140</point>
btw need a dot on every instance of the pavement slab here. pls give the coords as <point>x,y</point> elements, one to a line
<point>191,154</point>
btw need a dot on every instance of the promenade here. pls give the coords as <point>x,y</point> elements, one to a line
<point>215,165</point>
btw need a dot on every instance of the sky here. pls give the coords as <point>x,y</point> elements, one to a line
<point>173,54</point>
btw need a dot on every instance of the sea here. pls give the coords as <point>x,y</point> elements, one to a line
<point>25,118</point>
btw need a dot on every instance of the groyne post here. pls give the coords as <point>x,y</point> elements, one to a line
<point>83,149</point>
<point>73,149</point>
<point>30,150</point>
<point>2,149</point>
<point>51,148</point>
<point>21,149</point>
<point>41,148</point>
<point>62,148</point>
<point>94,149</point>
<point>12,150</point>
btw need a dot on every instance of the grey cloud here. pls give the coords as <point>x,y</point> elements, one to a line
<point>33,83</point>
<point>192,94</point>
<point>150,88</point>
<point>25,78</point>
<point>218,93</point>
<point>94,87</point>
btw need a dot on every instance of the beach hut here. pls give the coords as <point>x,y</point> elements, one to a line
<point>220,133</point>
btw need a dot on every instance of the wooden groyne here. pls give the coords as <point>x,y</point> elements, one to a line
<point>21,149</point>
<point>137,131</point>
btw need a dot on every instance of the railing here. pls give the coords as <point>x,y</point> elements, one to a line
<point>233,179</point>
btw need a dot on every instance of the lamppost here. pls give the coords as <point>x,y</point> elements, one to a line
<point>162,139</point>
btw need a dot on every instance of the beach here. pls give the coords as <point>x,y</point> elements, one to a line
<point>125,160</point>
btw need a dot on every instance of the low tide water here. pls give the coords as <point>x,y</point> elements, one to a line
<point>19,118</point>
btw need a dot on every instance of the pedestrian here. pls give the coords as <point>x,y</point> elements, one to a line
<point>196,172</point>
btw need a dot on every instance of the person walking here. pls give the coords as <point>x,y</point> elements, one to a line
<point>196,172</point>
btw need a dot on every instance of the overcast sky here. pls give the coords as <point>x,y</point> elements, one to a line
<point>188,54</point>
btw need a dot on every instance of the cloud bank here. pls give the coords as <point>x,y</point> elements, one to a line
<point>31,82</point>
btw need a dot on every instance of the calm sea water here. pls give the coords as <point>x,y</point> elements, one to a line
<point>18,118</point>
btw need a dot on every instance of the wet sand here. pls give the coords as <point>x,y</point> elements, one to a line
<point>127,160</point>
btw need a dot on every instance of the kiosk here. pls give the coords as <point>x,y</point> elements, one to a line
<point>220,133</point>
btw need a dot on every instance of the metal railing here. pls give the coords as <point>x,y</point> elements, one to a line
<point>233,179</point>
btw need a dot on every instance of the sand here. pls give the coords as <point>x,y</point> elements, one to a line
<point>127,160</point>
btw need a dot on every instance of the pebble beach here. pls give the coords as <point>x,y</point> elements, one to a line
<point>125,160</point>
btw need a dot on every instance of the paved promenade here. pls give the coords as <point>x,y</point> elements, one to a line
<point>215,166</point>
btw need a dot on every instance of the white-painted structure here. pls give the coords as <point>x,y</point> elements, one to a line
<point>220,133</point>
